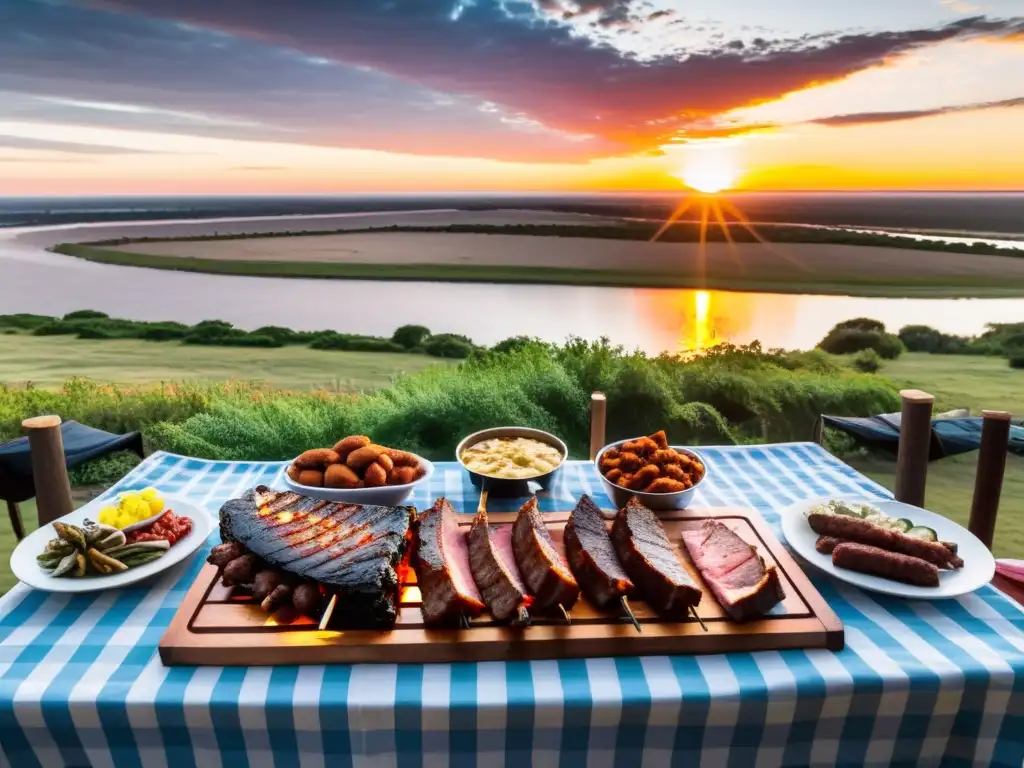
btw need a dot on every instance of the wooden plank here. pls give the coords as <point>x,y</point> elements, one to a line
<point>218,626</point>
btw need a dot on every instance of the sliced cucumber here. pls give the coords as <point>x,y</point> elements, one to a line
<point>923,532</point>
<point>902,525</point>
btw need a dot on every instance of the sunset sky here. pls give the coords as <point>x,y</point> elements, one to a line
<point>292,96</point>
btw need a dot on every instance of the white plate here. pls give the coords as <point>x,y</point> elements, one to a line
<point>979,565</point>
<point>25,567</point>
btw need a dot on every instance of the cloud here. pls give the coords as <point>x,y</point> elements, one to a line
<point>869,118</point>
<point>259,168</point>
<point>412,76</point>
<point>21,142</point>
<point>961,6</point>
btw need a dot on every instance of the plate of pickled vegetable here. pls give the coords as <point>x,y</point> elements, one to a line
<point>111,543</point>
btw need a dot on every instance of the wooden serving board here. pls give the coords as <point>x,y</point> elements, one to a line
<point>219,626</point>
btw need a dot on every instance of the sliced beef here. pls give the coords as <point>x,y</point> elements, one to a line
<point>443,569</point>
<point>543,569</point>
<point>652,563</point>
<point>351,549</point>
<point>592,557</point>
<point>864,558</point>
<point>495,572</point>
<point>857,530</point>
<point>743,584</point>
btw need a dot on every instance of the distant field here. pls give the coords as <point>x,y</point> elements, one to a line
<point>49,361</point>
<point>779,267</point>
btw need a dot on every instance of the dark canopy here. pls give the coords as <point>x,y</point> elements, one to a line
<point>949,436</point>
<point>81,444</point>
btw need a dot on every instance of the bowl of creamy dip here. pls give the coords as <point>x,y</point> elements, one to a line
<point>511,461</point>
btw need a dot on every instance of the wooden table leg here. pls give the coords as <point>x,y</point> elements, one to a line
<point>14,512</point>
<point>598,418</point>
<point>915,441</point>
<point>988,481</point>
<point>49,471</point>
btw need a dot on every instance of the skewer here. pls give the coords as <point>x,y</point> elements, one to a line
<point>698,618</point>
<point>482,504</point>
<point>629,613</point>
<point>328,612</point>
<point>463,621</point>
<point>565,613</point>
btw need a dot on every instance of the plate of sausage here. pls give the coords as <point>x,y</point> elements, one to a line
<point>888,547</point>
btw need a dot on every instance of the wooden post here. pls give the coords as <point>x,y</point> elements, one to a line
<point>819,431</point>
<point>915,441</point>
<point>53,490</point>
<point>598,417</point>
<point>988,480</point>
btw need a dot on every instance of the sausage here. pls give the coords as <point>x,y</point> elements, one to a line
<point>825,544</point>
<point>889,565</point>
<point>265,583</point>
<point>855,529</point>
<point>306,599</point>
<point>223,554</point>
<point>240,571</point>
<point>281,595</point>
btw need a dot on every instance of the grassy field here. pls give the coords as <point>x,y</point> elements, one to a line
<point>780,268</point>
<point>49,361</point>
<point>963,382</point>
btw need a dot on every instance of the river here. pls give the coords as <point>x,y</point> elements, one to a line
<point>33,280</point>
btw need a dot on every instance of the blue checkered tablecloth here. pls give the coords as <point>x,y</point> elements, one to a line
<point>920,683</point>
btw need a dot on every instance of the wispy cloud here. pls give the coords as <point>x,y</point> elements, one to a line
<point>867,118</point>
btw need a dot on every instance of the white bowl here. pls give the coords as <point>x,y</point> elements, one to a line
<point>384,495</point>
<point>654,501</point>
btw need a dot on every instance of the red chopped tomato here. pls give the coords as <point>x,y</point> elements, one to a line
<point>168,526</point>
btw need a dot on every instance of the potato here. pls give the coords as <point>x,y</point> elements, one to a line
<point>375,476</point>
<point>363,457</point>
<point>385,461</point>
<point>311,477</point>
<point>340,476</point>
<point>317,458</point>
<point>345,446</point>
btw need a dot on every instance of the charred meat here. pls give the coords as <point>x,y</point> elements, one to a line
<point>350,549</point>
<point>592,557</point>
<point>651,562</point>
<point>864,558</point>
<point>738,577</point>
<point>543,570</point>
<point>495,572</point>
<point>861,531</point>
<point>443,568</point>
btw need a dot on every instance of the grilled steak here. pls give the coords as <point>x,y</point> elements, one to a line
<point>495,572</point>
<point>653,565</point>
<point>855,529</point>
<point>351,549</point>
<point>543,569</point>
<point>738,577</point>
<point>442,567</point>
<point>889,565</point>
<point>592,557</point>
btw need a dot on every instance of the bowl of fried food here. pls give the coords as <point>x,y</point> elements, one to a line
<point>661,476</point>
<point>358,471</point>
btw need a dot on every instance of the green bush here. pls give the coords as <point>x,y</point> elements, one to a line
<point>866,361</point>
<point>105,470</point>
<point>285,335</point>
<point>845,341</point>
<point>24,321</point>
<point>410,336</point>
<point>1017,361</point>
<point>449,345</point>
<point>923,338</point>
<point>86,314</point>
<point>861,324</point>
<point>371,344</point>
<point>166,331</point>
<point>56,328</point>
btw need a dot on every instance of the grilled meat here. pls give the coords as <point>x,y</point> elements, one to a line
<point>265,583</point>
<point>651,562</point>
<point>222,554</point>
<point>889,565</point>
<point>857,530</point>
<point>442,567</point>
<point>543,569</point>
<point>592,557</point>
<point>351,549</point>
<point>738,577</point>
<point>495,572</point>
<point>825,544</point>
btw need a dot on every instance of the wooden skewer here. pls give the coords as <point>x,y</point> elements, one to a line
<point>482,504</point>
<point>698,618</point>
<point>565,613</point>
<point>328,612</point>
<point>629,613</point>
